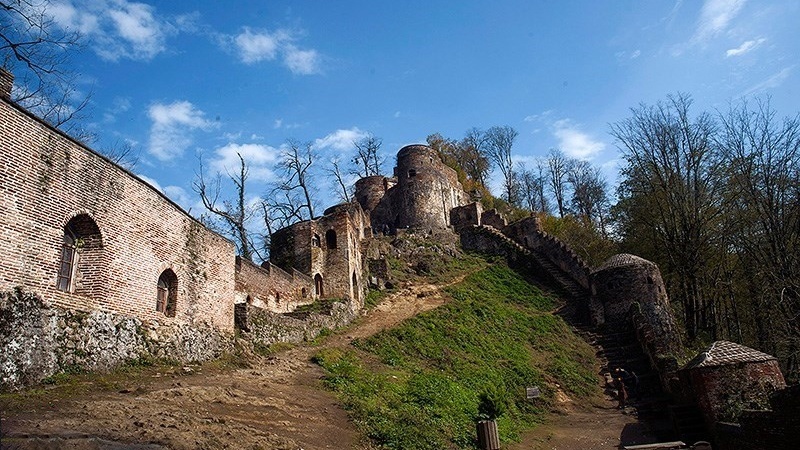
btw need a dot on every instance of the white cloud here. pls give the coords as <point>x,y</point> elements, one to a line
<point>301,62</point>
<point>256,46</point>
<point>170,133</point>
<point>574,142</point>
<point>541,117</point>
<point>715,17</point>
<point>341,140</point>
<point>260,159</point>
<point>746,47</point>
<point>115,29</point>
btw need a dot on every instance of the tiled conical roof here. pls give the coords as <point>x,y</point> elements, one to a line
<point>622,259</point>
<point>722,353</point>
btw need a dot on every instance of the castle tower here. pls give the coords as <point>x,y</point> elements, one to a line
<point>427,189</point>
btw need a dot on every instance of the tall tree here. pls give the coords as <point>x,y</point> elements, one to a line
<point>763,162</point>
<point>334,172</point>
<point>558,166</point>
<point>472,155</point>
<point>500,141</point>
<point>671,185</point>
<point>589,196</point>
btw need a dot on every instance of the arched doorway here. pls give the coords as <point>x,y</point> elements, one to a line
<point>167,293</point>
<point>319,289</point>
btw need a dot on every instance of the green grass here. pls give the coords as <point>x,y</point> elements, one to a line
<point>420,385</point>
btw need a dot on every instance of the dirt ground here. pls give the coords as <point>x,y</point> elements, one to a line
<point>278,403</point>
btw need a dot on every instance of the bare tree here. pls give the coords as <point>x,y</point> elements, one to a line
<point>558,166</point>
<point>37,51</point>
<point>235,213</point>
<point>294,190</point>
<point>532,188</point>
<point>368,159</point>
<point>336,175</point>
<point>500,141</point>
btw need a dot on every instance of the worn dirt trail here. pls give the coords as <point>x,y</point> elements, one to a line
<point>279,403</point>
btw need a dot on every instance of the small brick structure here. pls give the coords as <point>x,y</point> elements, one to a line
<point>328,249</point>
<point>727,378</point>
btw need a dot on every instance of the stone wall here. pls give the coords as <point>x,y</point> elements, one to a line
<point>425,192</point>
<point>270,287</point>
<point>493,218</point>
<point>528,233</point>
<point>132,234</point>
<point>266,328</point>
<point>465,216</point>
<point>40,340</point>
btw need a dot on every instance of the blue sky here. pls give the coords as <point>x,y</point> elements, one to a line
<point>180,79</point>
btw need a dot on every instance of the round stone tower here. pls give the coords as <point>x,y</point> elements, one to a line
<point>370,191</point>
<point>427,189</point>
<point>626,279</point>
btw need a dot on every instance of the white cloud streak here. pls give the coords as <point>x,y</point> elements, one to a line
<point>715,17</point>
<point>171,130</point>
<point>340,140</point>
<point>746,47</point>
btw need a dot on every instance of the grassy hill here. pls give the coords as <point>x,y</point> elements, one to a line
<point>423,385</point>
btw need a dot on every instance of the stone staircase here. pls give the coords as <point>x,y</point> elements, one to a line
<point>616,346</point>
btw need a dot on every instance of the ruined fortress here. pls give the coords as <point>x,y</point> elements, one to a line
<point>99,268</point>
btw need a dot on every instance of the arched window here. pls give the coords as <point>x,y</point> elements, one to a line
<point>318,288</point>
<point>315,241</point>
<point>81,254</point>
<point>167,293</point>
<point>330,238</point>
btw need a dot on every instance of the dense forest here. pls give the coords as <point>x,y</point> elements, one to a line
<point>712,197</point>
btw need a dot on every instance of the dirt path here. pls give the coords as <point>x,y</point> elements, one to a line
<point>277,404</point>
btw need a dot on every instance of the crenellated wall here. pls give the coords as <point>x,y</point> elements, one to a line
<point>272,288</point>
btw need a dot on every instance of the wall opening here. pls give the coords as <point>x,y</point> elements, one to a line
<point>81,255</point>
<point>355,286</point>
<point>412,173</point>
<point>304,293</point>
<point>167,293</point>
<point>315,241</point>
<point>330,239</point>
<point>319,289</point>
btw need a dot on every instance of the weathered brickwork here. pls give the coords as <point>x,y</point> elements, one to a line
<point>133,232</point>
<point>272,288</point>
<point>727,378</point>
<point>425,192</point>
<point>329,250</point>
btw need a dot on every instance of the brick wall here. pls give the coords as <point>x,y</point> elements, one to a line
<point>272,288</point>
<point>47,179</point>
